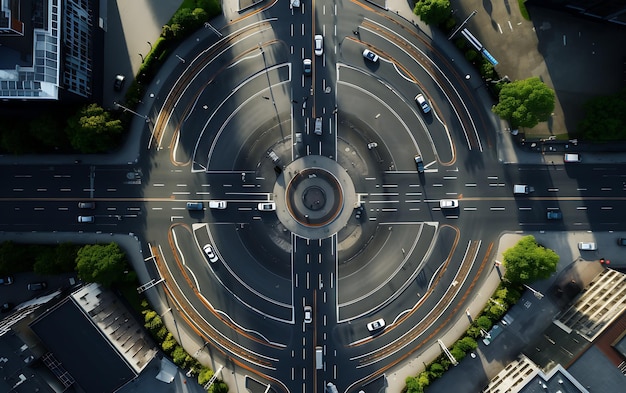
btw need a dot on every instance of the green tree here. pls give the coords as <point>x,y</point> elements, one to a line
<point>527,261</point>
<point>605,118</point>
<point>413,385</point>
<point>46,129</point>
<point>56,259</point>
<point>432,12</point>
<point>467,344</point>
<point>525,103</point>
<point>92,130</point>
<point>104,264</point>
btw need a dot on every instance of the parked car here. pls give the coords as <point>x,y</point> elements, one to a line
<point>319,45</point>
<point>419,163</point>
<point>571,157</point>
<point>86,205</point>
<point>267,206</point>
<point>554,215</point>
<point>371,56</point>
<point>37,286</point>
<point>422,102</point>
<point>308,314</point>
<point>587,246</point>
<point>621,241</point>
<point>6,280</point>
<point>118,84</point>
<point>208,250</point>
<point>449,203</point>
<point>376,325</point>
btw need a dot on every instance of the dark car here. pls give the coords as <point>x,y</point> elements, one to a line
<point>6,280</point>
<point>86,205</point>
<point>37,286</point>
<point>554,215</point>
<point>419,163</point>
<point>6,307</point>
<point>119,82</point>
<point>621,241</point>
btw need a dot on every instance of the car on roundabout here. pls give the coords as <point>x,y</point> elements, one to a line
<point>419,162</point>
<point>208,250</point>
<point>422,102</point>
<point>376,325</point>
<point>371,56</point>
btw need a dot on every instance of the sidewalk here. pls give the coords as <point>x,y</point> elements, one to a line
<point>471,375</point>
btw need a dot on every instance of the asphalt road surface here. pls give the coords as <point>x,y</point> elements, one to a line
<point>360,239</point>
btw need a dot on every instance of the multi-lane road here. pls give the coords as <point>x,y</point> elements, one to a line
<point>357,235</point>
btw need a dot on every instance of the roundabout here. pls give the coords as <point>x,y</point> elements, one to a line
<point>323,206</point>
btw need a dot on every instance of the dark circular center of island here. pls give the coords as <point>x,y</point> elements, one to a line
<point>314,197</point>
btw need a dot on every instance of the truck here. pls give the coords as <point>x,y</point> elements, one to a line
<point>520,189</point>
<point>319,358</point>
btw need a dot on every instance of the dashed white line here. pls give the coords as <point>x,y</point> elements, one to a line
<point>496,208</point>
<point>181,193</point>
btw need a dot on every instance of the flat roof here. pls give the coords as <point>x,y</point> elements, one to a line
<point>81,349</point>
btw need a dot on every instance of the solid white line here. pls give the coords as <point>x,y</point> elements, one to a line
<point>384,201</point>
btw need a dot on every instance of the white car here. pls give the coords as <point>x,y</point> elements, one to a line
<point>319,45</point>
<point>369,55</point>
<point>295,3</point>
<point>422,102</point>
<point>376,325</point>
<point>267,206</point>
<point>571,157</point>
<point>208,250</point>
<point>449,203</point>
<point>587,246</point>
<point>308,314</point>
<point>318,126</point>
<point>86,219</point>
<point>217,205</point>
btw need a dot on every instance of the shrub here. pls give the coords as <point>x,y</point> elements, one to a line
<point>436,370</point>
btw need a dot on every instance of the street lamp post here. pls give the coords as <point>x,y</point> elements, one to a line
<point>145,117</point>
<point>537,294</point>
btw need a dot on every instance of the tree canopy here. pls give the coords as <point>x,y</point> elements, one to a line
<point>528,261</point>
<point>92,130</point>
<point>525,102</point>
<point>605,118</point>
<point>432,12</point>
<point>104,264</point>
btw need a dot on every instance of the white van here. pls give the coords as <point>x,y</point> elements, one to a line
<point>572,157</point>
<point>522,189</point>
<point>319,358</point>
<point>318,126</point>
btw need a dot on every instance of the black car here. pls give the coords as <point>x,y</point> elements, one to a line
<point>621,241</point>
<point>6,307</point>
<point>419,163</point>
<point>6,280</point>
<point>37,286</point>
